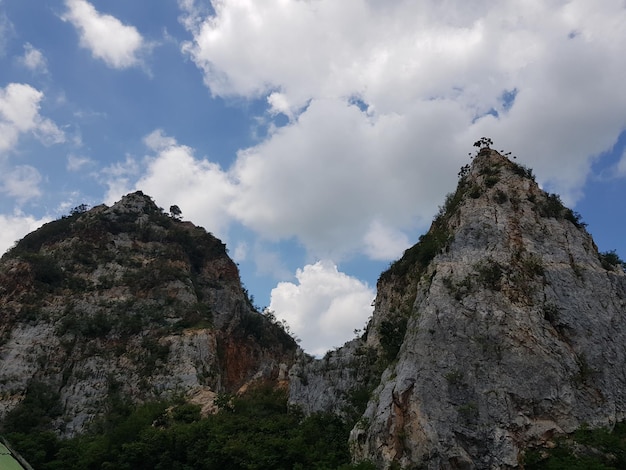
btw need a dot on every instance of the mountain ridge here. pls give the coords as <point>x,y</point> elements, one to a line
<point>500,330</point>
<point>127,300</point>
<point>516,344</point>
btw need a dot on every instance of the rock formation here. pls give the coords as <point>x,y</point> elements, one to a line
<point>503,328</point>
<point>127,302</point>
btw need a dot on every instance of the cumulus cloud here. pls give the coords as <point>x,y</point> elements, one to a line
<point>77,162</point>
<point>558,61</point>
<point>333,195</point>
<point>19,114</point>
<point>15,226</point>
<point>119,178</point>
<point>33,59</point>
<point>108,39</point>
<point>326,183</point>
<point>21,182</point>
<point>384,243</point>
<point>324,307</point>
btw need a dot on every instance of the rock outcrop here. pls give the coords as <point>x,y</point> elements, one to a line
<point>501,329</point>
<point>516,332</point>
<point>128,302</point>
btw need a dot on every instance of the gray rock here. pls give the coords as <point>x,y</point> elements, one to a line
<point>516,334</point>
<point>127,302</point>
<point>500,330</point>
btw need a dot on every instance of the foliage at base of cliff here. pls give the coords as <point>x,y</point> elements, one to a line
<point>256,431</point>
<point>585,449</point>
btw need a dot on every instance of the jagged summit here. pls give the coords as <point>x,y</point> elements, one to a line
<point>127,301</point>
<point>500,330</point>
<point>512,329</point>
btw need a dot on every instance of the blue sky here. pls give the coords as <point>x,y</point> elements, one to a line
<point>316,138</point>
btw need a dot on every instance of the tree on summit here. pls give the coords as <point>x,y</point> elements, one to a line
<point>483,143</point>
<point>175,212</point>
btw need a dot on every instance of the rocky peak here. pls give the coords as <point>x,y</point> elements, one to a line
<point>136,202</point>
<point>503,328</point>
<point>127,301</point>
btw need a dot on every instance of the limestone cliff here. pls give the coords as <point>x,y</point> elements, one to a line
<point>516,332</point>
<point>128,302</point>
<point>501,329</point>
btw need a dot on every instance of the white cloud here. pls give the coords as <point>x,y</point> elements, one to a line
<point>157,140</point>
<point>326,183</point>
<point>324,307</point>
<point>77,162</point>
<point>385,243</point>
<point>335,196</point>
<point>620,168</point>
<point>108,39</point>
<point>384,100</point>
<point>241,252</point>
<point>33,59</point>
<point>22,183</point>
<point>118,178</point>
<point>399,58</point>
<point>19,114</point>
<point>15,226</point>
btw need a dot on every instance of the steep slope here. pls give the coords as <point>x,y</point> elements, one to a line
<point>126,302</point>
<point>508,325</point>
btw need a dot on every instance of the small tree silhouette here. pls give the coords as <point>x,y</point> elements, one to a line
<point>79,209</point>
<point>483,143</point>
<point>175,211</point>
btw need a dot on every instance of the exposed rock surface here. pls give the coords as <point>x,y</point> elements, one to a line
<point>126,301</point>
<point>517,332</point>
<point>501,329</point>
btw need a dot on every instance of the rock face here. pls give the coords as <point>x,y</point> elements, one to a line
<point>501,329</point>
<point>126,301</point>
<point>515,330</point>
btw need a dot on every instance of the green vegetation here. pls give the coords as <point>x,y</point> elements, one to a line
<point>454,377</point>
<point>552,207</point>
<point>489,274</point>
<point>421,254</point>
<point>256,431</point>
<point>491,174</point>
<point>432,242</point>
<point>47,273</point>
<point>523,171</point>
<point>48,233</point>
<point>483,143</point>
<point>266,329</point>
<point>500,197</point>
<point>392,335</point>
<point>35,413</point>
<point>468,412</point>
<point>611,260</point>
<point>531,265</point>
<point>585,449</point>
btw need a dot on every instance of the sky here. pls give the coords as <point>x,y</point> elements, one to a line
<point>316,138</point>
